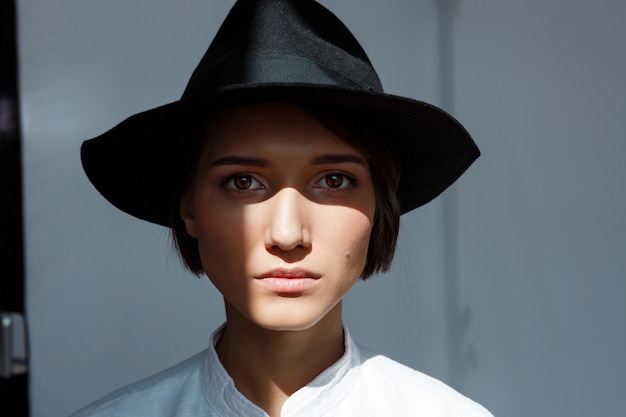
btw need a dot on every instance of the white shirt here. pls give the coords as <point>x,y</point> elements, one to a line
<point>361,383</point>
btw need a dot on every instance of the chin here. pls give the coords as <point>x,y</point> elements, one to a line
<point>288,324</point>
<point>295,318</point>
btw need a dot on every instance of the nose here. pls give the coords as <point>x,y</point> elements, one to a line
<point>287,228</point>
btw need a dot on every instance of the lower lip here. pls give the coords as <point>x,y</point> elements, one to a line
<point>288,285</point>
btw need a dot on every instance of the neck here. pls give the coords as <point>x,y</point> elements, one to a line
<point>268,366</point>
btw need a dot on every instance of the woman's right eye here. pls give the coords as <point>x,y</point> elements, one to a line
<point>242,182</point>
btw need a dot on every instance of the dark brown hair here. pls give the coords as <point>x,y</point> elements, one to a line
<point>385,170</point>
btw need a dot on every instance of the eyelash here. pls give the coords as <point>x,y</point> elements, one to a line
<point>348,181</point>
<point>228,182</point>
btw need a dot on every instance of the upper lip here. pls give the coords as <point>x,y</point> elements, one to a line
<point>289,273</point>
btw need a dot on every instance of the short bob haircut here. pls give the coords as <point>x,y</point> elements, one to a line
<point>385,172</point>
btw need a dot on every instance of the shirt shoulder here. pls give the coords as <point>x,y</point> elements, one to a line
<point>174,391</point>
<point>411,392</point>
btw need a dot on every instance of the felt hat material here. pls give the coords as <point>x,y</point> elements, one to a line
<point>274,51</point>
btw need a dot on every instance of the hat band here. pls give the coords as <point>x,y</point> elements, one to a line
<point>278,69</point>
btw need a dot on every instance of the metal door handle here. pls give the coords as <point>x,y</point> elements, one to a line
<point>9,364</point>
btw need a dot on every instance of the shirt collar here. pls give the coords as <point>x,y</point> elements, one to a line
<point>316,398</point>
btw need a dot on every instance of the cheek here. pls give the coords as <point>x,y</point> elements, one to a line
<point>212,236</point>
<point>219,245</point>
<point>348,248</point>
<point>348,236</point>
<point>224,232</point>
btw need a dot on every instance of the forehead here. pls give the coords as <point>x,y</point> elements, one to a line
<point>274,128</point>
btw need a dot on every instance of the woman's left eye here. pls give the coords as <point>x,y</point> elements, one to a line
<point>336,181</point>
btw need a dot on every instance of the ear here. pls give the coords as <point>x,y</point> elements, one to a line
<point>187,215</point>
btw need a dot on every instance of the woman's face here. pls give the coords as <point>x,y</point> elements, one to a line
<point>282,210</point>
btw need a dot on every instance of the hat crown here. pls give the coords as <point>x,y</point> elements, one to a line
<point>282,42</point>
<point>292,51</point>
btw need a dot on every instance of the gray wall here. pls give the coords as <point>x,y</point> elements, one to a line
<point>541,85</point>
<point>510,287</point>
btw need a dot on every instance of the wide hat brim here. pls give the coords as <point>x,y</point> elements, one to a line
<point>136,164</point>
<point>274,51</point>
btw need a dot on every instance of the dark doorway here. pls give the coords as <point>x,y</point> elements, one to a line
<point>13,367</point>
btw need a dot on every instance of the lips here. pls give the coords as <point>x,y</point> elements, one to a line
<point>288,281</point>
<point>289,274</point>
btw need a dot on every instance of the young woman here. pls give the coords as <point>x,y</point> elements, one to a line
<point>282,172</point>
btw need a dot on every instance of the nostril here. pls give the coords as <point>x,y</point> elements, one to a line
<point>291,254</point>
<point>287,245</point>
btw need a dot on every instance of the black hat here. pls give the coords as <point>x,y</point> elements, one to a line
<point>274,51</point>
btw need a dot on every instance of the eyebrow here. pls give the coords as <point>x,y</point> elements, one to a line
<point>260,162</point>
<point>337,158</point>
<point>240,160</point>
